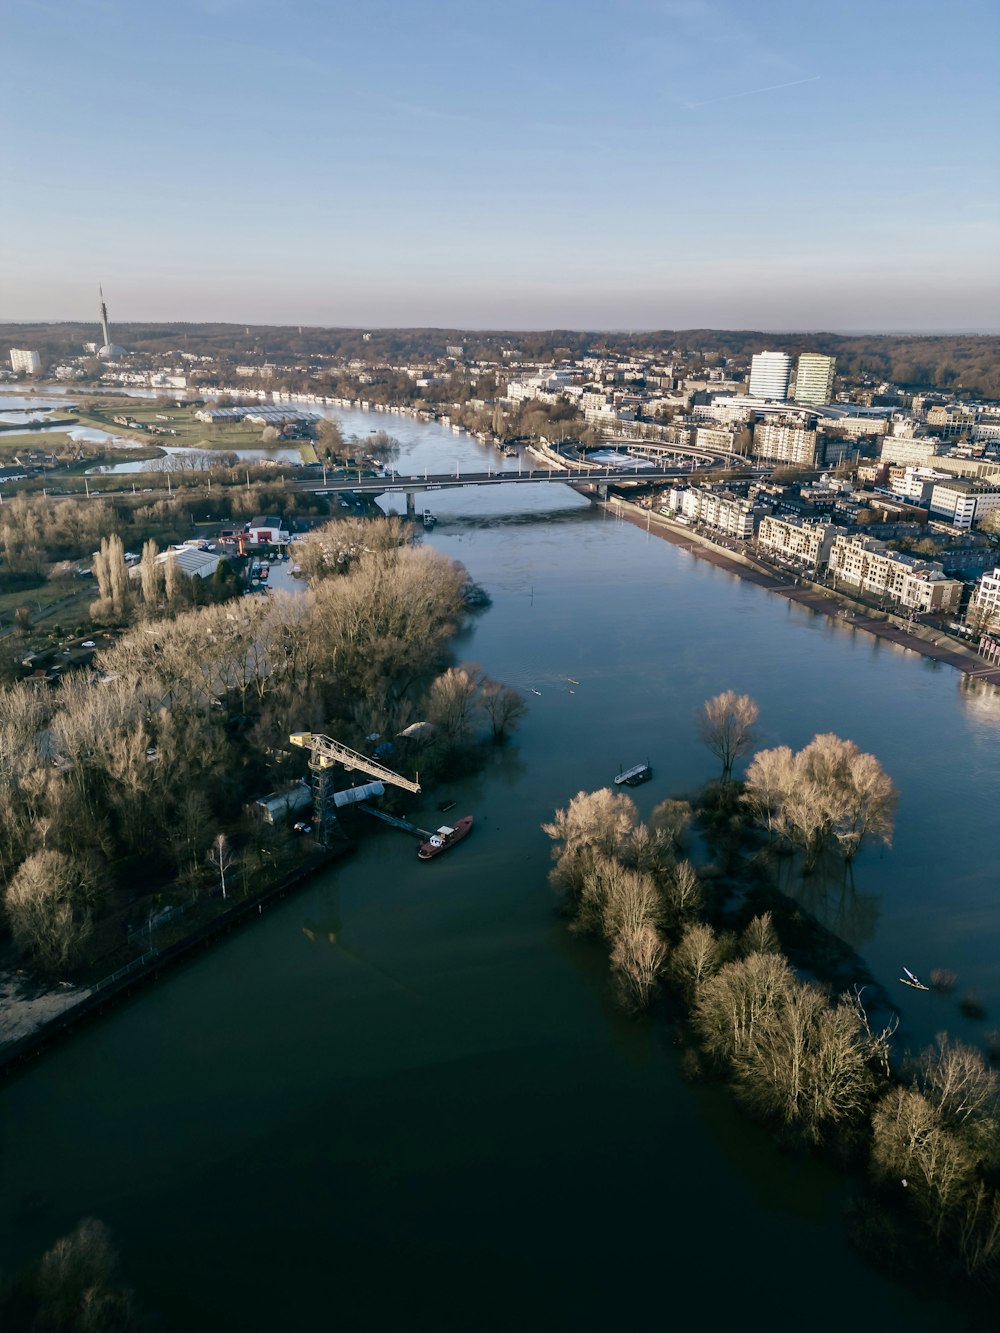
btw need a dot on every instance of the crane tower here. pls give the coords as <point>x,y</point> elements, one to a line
<point>324,754</point>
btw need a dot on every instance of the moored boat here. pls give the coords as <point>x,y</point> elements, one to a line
<point>634,776</point>
<point>446,837</point>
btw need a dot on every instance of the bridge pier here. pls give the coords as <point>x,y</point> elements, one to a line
<point>411,504</point>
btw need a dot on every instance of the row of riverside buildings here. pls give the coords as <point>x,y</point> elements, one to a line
<point>851,560</point>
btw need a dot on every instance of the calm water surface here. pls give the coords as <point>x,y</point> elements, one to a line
<point>403,1099</point>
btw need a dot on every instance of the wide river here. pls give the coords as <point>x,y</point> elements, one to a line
<point>404,1099</point>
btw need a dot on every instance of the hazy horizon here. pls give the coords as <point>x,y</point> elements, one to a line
<point>647,164</point>
<point>637,330</point>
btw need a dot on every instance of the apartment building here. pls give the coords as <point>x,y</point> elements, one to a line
<point>785,440</point>
<point>983,614</point>
<point>910,450</point>
<point>25,362</point>
<point>892,577</point>
<point>722,511</point>
<point>805,542</point>
<point>725,439</point>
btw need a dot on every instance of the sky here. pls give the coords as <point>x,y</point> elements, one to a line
<point>642,164</point>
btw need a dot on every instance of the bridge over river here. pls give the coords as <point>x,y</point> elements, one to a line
<point>590,480</point>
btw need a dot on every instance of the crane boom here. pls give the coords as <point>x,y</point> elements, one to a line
<point>324,752</point>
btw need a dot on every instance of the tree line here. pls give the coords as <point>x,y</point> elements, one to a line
<point>804,1059</point>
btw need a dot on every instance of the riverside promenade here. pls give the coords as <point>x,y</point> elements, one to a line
<point>923,639</point>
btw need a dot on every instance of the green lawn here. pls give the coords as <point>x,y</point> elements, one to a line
<point>41,598</point>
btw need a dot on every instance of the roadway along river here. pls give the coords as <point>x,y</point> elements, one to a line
<point>404,1099</point>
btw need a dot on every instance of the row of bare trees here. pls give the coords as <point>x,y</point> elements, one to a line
<point>795,1055</point>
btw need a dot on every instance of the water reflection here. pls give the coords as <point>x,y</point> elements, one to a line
<point>831,895</point>
<point>981,700</point>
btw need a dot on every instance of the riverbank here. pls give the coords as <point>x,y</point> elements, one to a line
<point>34,1017</point>
<point>920,639</point>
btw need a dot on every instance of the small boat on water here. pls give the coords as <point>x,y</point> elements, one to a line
<point>911,980</point>
<point>429,519</point>
<point>634,776</point>
<point>446,837</point>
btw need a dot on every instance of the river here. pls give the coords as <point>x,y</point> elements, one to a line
<point>404,1098</point>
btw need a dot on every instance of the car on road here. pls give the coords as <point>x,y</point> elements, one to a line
<point>88,643</point>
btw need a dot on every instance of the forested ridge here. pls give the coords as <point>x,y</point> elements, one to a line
<point>967,362</point>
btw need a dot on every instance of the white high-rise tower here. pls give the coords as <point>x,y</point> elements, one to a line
<point>769,375</point>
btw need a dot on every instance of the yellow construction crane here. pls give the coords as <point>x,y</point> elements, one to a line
<point>324,754</point>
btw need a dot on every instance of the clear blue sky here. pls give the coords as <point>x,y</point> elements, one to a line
<point>518,163</point>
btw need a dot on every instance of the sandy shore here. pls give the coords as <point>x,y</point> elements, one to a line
<point>920,638</point>
<point>25,1006</point>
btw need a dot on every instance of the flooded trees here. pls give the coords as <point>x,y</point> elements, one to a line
<point>606,895</point>
<point>726,727</point>
<point>76,1285</point>
<point>828,794</point>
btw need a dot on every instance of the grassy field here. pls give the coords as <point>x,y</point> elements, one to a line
<point>183,430</point>
<point>43,598</point>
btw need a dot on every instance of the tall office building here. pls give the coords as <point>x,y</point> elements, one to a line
<point>814,379</point>
<point>769,375</point>
<point>24,361</point>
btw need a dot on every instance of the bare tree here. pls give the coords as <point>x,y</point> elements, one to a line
<point>959,1082</point>
<point>696,958</point>
<point>827,793</point>
<point>912,1144</point>
<point>222,858</point>
<point>503,706</point>
<point>727,727</point>
<point>760,936</point>
<point>593,823</point>
<point>47,907</point>
<point>638,958</point>
<point>150,574</point>
<point>454,704</point>
<point>979,1232</point>
<point>682,892</point>
<point>671,819</point>
<point>805,1062</point>
<point>734,1006</point>
<point>77,1284</point>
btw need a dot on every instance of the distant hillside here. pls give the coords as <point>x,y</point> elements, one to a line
<point>965,364</point>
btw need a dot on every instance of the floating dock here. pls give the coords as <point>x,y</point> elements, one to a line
<point>403,824</point>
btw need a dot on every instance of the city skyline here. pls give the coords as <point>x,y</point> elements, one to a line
<point>654,164</point>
